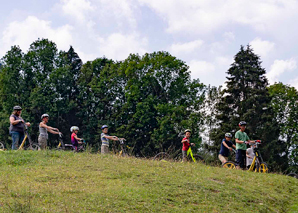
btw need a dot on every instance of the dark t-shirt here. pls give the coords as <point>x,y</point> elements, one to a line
<point>224,151</point>
<point>18,127</point>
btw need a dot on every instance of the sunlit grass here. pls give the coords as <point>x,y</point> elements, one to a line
<point>52,181</point>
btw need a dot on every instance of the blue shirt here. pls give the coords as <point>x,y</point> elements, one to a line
<point>224,151</point>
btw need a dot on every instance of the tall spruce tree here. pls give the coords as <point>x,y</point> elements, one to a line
<point>246,98</point>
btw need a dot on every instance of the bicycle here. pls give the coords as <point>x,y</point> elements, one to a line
<point>2,148</point>
<point>294,175</point>
<point>123,152</point>
<point>62,146</point>
<point>31,146</point>
<point>257,165</point>
<point>164,156</point>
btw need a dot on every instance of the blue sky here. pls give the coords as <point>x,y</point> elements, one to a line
<point>206,34</point>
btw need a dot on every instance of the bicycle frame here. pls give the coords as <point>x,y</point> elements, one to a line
<point>24,140</point>
<point>257,160</point>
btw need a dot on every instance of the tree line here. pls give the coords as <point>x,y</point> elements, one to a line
<point>149,100</point>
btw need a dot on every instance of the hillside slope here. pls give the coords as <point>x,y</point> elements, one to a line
<point>50,181</point>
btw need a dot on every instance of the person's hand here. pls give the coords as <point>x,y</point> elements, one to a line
<point>27,124</point>
<point>57,129</point>
<point>230,148</point>
<point>246,142</point>
<point>192,144</point>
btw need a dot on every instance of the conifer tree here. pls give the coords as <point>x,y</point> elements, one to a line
<point>247,98</point>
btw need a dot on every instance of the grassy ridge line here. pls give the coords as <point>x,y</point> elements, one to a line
<point>51,181</point>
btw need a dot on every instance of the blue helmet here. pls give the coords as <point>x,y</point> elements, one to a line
<point>104,126</point>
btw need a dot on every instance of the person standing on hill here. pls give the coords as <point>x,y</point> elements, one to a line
<point>17,127</point>
<point>225,148</point>
<point>105,139</point>
<point>241,139</point>
<point>186,144</point>
<point>43,131</point>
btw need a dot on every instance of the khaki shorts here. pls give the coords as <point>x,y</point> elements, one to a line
<point>42,142</point>
<point>104,149</point>
<point>223,159</point>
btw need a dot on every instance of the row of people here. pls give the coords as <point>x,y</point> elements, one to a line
<point>18,125</point>
<point>244,156</point>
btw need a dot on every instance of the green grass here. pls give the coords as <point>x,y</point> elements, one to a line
<point>50,181</point>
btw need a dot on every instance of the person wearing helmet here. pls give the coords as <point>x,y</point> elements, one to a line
<point>17,127</point>
<point>74,138</point>
<point>105,139</point>
<point>241,139</point>
<point>43,131</point>
<point>225,148</point>
<point>186,144</point>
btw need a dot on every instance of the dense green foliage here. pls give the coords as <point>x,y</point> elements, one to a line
<point>49,181</point>
<point>149,100</point>
<point>285,105</point>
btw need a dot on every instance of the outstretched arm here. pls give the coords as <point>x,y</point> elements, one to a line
<point>50,129</point>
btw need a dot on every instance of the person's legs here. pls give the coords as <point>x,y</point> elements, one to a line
<point>104,149</point>
<point>42,142</point>
<point>222,158</point>
<point>15,140</point>
<point>239,157</point>
<point>184,156</point>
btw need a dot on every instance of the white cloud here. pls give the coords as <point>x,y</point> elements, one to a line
<point>262,47</point>
<point>121,10</point>
<point>199,68</point>
<point>229,36</point>
<point>184,48</point>
<point>294,83</point>
<point>206,16</point>
<point>279,67</point>
<point>25,32</point>
<point>78,9</point>
<point>118,46</point>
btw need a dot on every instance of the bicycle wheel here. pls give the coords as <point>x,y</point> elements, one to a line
<point>1,147</point>
<point>263,168</point>
<point>229,165</point>
<point>162,156</point>
<point>199,159</point>
<point>33,147</point>
<point>294,175</point>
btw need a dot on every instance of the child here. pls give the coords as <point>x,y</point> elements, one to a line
<point>186,144</point>
<point>105,139</point>
<point>241,139</point>
<point>250,155</point>
<point>226,147</point>
<point>74,138</point>
<point>43,131</point>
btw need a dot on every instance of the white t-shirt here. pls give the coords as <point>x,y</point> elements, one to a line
<point>251,153</point>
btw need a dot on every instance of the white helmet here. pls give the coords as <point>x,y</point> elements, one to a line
<point>74,128</point>
<point>44,116</point>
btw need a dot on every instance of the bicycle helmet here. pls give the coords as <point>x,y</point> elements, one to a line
<point>187,130</point>
<point>228,135</point>
<point>104,126</point>
<point>17,108</point>
<point>241,123</point>
<point>74,128</point>
<point>44,116</point>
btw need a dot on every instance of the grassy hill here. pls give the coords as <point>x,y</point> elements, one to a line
<point>49,181</point>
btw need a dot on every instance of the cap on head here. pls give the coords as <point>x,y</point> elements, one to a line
<point>17,108</point>
<point>44,116</point>
<point>187,130</point>
<point>241,123</point>
<point>228,135</point>
<point>104,126</point>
